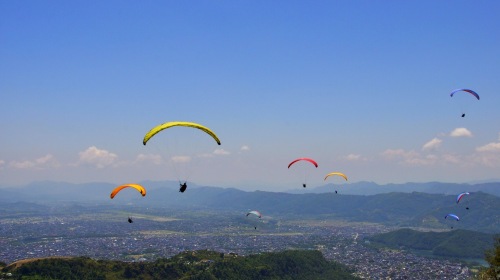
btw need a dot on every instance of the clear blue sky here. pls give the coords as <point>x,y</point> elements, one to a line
<point>360,86</point>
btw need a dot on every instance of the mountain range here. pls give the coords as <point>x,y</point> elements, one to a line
<point>401,209</point>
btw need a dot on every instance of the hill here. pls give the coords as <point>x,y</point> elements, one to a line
<point>292,264</point>
<point>455,243</point>
<point>395,209</point>
<point>43,191</point>
<point>414,209</point>
<point>371,188</point>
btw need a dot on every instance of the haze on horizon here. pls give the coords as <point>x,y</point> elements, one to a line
<point>360,86</point>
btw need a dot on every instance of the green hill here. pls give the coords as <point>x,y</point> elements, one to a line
<point>456,243</point>
<point>395,209</point>
<point>415,209</point>
<point>292,264</point>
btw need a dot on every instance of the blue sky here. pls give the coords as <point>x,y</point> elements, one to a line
<point>360,86</point>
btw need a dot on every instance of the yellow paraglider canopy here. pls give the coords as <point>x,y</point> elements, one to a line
<point>166,125</point>
<point>138,187</point>
<point>336,173</point>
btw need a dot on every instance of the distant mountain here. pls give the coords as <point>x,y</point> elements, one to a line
<point>200,265</point>
<point>371,188</point>
<point>456,243</point>
<point>50,191</point>
<point>395,208</point>
<point>99,191</point>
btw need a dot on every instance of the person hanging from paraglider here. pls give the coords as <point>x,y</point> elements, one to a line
<point>452,216</point>
<point>304,183</point>
<point>130,220</point>
<point>473,93</point>
<point>255,228</point>
<point>338,174</point>
<point>182,187</point>
<point>461,196</point>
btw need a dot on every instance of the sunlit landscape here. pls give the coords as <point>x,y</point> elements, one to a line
<point>249,140</point>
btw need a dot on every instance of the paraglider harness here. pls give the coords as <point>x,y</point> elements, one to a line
<point>183,187</point>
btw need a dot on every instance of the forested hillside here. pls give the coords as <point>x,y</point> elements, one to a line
<point>456,243</point>
<point>188,265</point>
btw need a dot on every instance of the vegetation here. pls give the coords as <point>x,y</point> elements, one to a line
<point>395,209</point>
<point>200,265</point>
<point>493,258</point>
<point>456,243</point>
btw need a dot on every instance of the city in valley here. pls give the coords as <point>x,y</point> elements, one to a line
<point>103,232</point>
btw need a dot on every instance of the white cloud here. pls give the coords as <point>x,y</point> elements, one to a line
<point>432,144</point>
<point>450,158</point>
<point>96,157</point>
<point>487,159</point>
<point>491,147</point>
<point>2,163</point>
<point>354,157</point>
<point>155,159</point>
<point>181,159</point>
<point>221,152</point>
<point>488,154</point>
<point>461,132</point>
<point>409,157</point>
<point>398,153</point>
<point>44,162</point>
<point>244,148</point>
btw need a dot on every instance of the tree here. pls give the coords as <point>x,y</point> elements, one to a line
<point>493,258</point>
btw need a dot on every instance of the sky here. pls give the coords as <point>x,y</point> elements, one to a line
<point>362,87</point>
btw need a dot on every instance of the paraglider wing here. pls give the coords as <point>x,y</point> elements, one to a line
<point>466,90</point>
<point>336,173</point>
<point>138,187</point>
<point>256,213</point>
<point>453,216</point>
<point>306,159</point>
<point>460,196</point>
<point>166,125</point>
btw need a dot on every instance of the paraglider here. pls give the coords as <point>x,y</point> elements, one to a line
<point>183,187</point>
<point>166,125</point>
<point>306,159</point>
<point>180,152</point>
<point>473,93</point>
<point>465,90</point>
<point>335,173</point>
<point>303,159</point>
<point>138,187</point>
<point>452,216</point>
<point>256,214</point>
<point>460,196</point>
